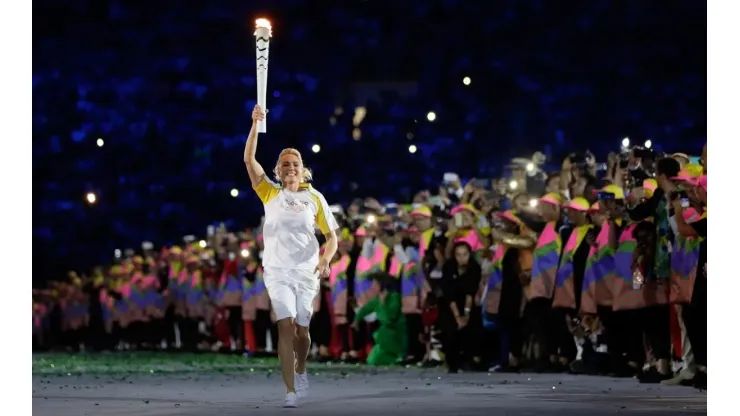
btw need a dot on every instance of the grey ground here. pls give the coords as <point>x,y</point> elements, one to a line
<point>389,393</point>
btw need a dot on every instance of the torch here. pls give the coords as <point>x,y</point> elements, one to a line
<point>262,36</point>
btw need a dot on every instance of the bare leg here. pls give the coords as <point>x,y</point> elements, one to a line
<point>286,335</point>
<point>301,346</point>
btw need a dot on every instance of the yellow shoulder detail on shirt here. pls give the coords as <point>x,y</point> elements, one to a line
<point>266,190</point>
<point>326,224</point>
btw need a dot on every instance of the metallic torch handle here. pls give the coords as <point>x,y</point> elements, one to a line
<point>262,38</point>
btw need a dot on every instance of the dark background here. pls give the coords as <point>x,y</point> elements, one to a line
<point>169,85</point>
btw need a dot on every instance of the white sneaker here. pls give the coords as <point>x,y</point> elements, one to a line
<point>301,384</point>
<point>291,400</point>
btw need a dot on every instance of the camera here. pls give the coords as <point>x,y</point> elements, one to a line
<point>577,159</point>
<point>606,196</point>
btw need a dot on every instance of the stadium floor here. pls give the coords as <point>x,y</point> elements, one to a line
<point>185,384</point>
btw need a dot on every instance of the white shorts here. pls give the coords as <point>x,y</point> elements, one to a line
<point>292,293</point>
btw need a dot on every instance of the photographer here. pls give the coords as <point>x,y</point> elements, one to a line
<point>641,208</point>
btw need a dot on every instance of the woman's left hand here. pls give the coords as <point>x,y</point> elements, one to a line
<point>323,268</point>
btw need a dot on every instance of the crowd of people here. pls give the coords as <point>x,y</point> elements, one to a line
<point>602,272</point>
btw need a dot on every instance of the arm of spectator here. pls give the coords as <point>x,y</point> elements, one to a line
<point>613,234</point>
<point>366,310</point>
<point>647,208</point>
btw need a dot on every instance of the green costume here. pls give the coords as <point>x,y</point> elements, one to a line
<point>390,338</point>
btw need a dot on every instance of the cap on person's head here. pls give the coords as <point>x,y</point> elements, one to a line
<point>553,198</point>
<point>191,260</point>
<point>422,211</point>
<point>361,232</point>
<point>176,250</point>
<point>464,207</point>
<point>509,215</point>
<point>694,170</point>
<point>681,155</point>
<point>650,185</point>
<point>577,204</point>
<point>686,175</point>
<point>617,191</point>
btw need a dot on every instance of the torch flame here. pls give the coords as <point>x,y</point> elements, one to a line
<point>264,23</point>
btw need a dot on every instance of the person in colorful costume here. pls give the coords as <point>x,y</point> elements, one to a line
<point>341,336</point>
<point>569,279</point>
<point>689,278</point>
<point>542,285</point>
<point>372,260</point>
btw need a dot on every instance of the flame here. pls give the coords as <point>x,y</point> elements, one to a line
<point>264,23</point>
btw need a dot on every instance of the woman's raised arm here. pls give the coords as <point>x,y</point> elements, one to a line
<point>254,169</point>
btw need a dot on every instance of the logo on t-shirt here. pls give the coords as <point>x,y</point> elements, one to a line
<point>294,205</point>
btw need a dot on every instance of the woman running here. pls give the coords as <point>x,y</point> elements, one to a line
<point>291,262</point>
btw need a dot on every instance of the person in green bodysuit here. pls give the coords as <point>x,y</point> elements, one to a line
<point>390,337</point>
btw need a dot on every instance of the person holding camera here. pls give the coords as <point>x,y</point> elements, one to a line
<point>693,299</point>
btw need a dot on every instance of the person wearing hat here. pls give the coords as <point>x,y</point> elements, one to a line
<point>694,312</point>
<point>542,285</point>
<point>658,208</point>
<point>569,278</point>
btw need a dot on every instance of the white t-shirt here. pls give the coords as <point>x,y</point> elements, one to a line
<point>290,220</point>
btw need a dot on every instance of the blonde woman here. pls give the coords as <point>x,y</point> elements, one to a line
<point>291,261</point>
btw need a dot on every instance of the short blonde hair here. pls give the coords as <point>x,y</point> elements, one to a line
<point>306,174</point>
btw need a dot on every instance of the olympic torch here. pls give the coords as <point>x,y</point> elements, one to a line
<point>262,36</point>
